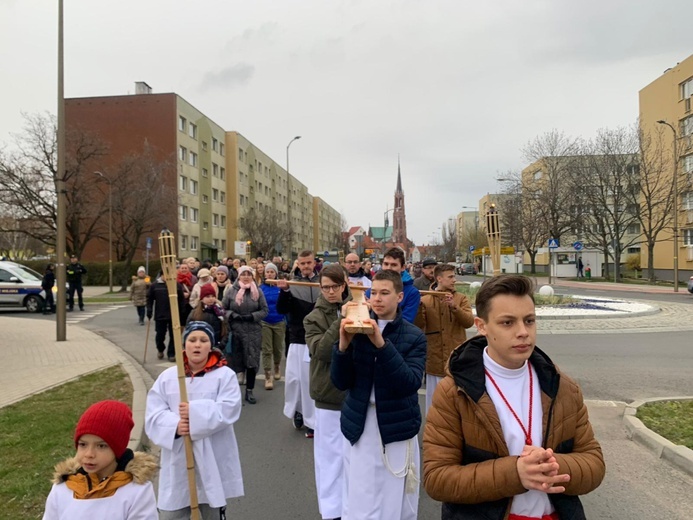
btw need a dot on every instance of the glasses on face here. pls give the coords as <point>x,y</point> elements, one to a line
<point>352,262</point>
<point>331,288</point>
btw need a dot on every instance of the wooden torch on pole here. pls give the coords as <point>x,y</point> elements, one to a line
<point>494,237</point>
<point>167,253</point>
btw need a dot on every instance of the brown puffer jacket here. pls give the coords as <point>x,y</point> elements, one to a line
<point>466,460</point>
<point>444,328</point>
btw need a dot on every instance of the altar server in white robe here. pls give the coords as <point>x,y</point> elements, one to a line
<point>214,405</point>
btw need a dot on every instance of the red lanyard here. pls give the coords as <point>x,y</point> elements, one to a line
<point>527,431</point>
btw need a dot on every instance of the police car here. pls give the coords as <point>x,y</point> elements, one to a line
<point>20,287</point>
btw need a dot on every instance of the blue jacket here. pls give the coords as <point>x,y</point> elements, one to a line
<point>271,293</point>
<point>394,371</point>
<point>411,300</point>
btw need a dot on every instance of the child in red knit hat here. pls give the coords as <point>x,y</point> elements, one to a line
<point>103,468</point>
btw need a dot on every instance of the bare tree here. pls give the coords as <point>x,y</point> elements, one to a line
<point>547,187</point>
<point>607,179</point>
<point>141,202</point>
<point>655,197</point>
<point>28,179</point>
<point>448,249</point>
<point>266,229</point>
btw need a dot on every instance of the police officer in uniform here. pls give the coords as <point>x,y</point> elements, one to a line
<point>75,270</point>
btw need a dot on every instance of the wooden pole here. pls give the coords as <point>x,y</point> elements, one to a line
<point>167,252</point>
<point>146,342</point>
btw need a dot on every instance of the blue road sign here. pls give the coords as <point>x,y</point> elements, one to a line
<point>578,246</point>
<point>149,243</point>
<point>553,243</point>
<point>471,249</point>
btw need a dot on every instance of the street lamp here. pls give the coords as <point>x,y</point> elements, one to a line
<point>288,195</point>
<point>110,228</point>
<point>676,205</point>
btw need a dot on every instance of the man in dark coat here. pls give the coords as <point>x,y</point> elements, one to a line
<point>47,284</point>
<point>159,306</point>
<point>75,270</point>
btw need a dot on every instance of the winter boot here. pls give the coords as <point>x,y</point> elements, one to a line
<point>269,384</point>
<point>277,373</point>
<point>250,397</point>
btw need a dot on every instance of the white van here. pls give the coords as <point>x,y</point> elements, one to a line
<point>21,287</point>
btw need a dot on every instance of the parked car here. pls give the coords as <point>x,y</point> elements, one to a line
<point>466,269</point>
<point>690,285</point>
<point>20,286</point>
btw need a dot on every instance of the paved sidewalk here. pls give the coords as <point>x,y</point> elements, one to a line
<point>35,362</point>
<point>625,287</point>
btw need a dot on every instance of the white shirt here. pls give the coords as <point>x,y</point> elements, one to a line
<point>215,404</point>
<point>515,386</point>
<point>360,280</point>
<point>130,502</point>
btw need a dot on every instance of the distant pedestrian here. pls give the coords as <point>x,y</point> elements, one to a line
<point>75,270</point>
<point>104,479</point>
<point>273,329</point>
<point>47,284</point>
<point>426,279</point>
<point>159,306</point>
<point>213,407</point>
<point>204,276</point>
<point>580,267</point>
<point>138,293</point>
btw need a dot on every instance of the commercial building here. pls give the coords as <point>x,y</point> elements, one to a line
<point>218,175</point>
<point>668,99</point>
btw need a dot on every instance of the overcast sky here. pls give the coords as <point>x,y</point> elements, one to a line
<point>455,87</point>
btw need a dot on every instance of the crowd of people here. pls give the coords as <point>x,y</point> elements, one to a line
<point>506,433</point>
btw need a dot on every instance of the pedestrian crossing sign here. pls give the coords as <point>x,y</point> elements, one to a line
<point>553,243</point>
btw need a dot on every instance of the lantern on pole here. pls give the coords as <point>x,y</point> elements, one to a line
<point>494,237</point>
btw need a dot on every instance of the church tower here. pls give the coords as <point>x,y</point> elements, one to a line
<point>399,218</point>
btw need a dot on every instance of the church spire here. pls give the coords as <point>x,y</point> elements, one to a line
<point>399,218</point>
<point>399,177</point>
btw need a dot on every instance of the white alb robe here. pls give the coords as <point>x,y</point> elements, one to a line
<point>297,385</point>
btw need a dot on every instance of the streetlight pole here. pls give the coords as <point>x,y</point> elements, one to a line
<point>676,205</point>
<point>288,196</point>
<point>110,229</point>
<point>61,210</point>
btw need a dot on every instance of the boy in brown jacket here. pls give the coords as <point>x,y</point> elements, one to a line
<point>444,319</point>
<point>507,435</point>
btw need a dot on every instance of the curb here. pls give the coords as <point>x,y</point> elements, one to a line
<point>679,456</point>
<point>648,312</point>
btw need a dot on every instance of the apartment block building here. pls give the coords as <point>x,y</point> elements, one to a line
<point>665,106</point>
<point>217,174</point>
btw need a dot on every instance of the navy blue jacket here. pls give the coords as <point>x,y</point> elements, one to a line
<point>411,300</point>
<point>395,371</point>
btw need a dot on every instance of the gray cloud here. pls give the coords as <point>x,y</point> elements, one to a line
<point>229,77</point>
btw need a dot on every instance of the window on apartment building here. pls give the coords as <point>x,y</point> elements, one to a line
<point>633,251</point>
<point>687,88</point>
<point>205,225</point>
<point>215,144</point>
<point>222,173</point>
<point>223,221</point>
<point>223,245</point>
<point>686,126</point>
<point>538,175</point>
<point>183,212</point>
<point>215,242</point>
<point>241,200</point>
<point>245,157</point>
<point>204,146</point>
<point>215,170</point>
<point>182,182</point>
<point>687,235</point>
<point>193,159</point>
<point>194,214</point>
<point>184,242</point>
<point>222,197</point>
<point>687,201</point>
<point>633,229</point>
<point>687,163</point>
<point>181,123</point>
<point>221,149</point>
<point>267,191</point>
<point>193,187</point>
<point>240,154</point>
<point>260,206</point>
<point>215,219</point>
<point>215,195</point>
<point>193,243</point>
<point>205,172</point>
<point>182,153</point>
<point>205,199</point>
<point>192,130</point>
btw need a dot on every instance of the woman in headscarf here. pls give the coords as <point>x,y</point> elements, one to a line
<point>246,306</point>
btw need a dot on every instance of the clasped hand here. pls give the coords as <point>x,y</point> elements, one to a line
<point>538,470</point>
<point>184,423</point>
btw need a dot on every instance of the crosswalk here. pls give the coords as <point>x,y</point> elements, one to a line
<point>91,311</point>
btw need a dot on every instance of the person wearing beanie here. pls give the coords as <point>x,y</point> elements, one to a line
<point>138,292</point>
<point>105,469</point>
<point>273,329</point>
<point>214,405</point>
<point>222,280</point>
<point>246,308</point>
<point>210,311</point>
<point>204,277</point>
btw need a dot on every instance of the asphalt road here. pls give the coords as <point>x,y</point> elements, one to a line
<point>277,460</point>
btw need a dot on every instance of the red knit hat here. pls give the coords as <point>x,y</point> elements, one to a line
<point>110,420</point>
<point>207,290</point>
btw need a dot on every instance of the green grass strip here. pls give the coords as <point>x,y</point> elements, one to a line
<point>672,420</point>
